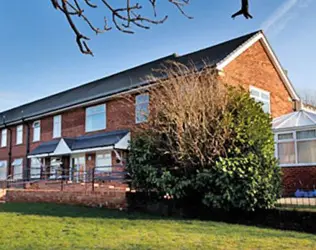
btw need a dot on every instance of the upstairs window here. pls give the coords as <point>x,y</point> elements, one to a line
<point>57,126</point>
<point>4,138</point>
<point>19,134</point>
<point>142,108</point>
<point>96,118</point>
<point>36,131</point>
<point>261,96</point>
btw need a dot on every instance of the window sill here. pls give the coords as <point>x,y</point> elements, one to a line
<point>93,131</point>
<point>298,165</point>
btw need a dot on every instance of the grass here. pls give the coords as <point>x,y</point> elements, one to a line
<point>47,226</point>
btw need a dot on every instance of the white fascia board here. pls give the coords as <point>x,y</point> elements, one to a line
<point>124,142</point>
<point>260,36</point>
<point>92,150</point>
<point>37,156</point>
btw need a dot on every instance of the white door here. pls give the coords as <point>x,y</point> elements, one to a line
<point>78,168</point>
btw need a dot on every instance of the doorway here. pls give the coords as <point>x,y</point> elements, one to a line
<point>78,168</point>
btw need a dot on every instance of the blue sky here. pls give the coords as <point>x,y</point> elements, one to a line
<point>38,54</point>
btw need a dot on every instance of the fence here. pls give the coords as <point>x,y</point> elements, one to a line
<point>57,178</point>
<point>298,195</point>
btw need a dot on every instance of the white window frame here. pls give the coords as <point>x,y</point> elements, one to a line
<point>57,126</point>
<point>295,140</point>
<point>36,168</point>
<point>4,137</point>
<point>19,134</point>
<point>15,165</point>
<point>137,104</point>
<point>260,99</point>
<point>87,116</point>
<point>4,164</point>
<point>37,135</point>
<point>108,167</point>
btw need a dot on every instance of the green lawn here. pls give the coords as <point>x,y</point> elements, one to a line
<point>43,226</point>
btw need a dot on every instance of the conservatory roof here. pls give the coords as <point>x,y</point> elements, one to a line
<point>296,120</point>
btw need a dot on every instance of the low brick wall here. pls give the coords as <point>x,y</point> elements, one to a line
<point>111,199</point>
<point>77,187</point>
<point>294,178</point>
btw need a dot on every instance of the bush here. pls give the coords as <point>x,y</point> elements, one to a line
<point>207,144</point>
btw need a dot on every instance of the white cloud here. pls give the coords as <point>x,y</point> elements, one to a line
<point>288,11</point>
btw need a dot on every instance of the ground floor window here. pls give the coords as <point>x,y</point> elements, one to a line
<point>3,170</point>
<point>17,169</point>
<point>296,148</point>
<point>35,168</point>
<point>55,168</point>
<point>104,162</point>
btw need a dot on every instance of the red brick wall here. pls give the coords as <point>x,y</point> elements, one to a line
<point>111,199</point>
<point>298,178</point>
<point>254,67</point>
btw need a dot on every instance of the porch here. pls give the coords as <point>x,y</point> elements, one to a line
<point>295,148</point>
<point>67,162</point>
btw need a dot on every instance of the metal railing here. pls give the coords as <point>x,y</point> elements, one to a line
<point>60,177</point>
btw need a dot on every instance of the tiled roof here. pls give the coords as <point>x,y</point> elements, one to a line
<point>82,142</point>
<point>119,82</point>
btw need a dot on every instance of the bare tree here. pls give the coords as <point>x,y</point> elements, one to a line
<point>309,98</point>
<point>123,17</point>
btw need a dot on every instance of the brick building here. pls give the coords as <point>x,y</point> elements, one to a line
<point>89,126</point>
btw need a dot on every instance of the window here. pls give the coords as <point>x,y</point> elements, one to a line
<point>142,108</point>
<point>17,169</point>
<point>95,118</point>
<point>57,126</point>
<point>35,168</point>
<point>19,134</point>
<point>261,96</point>
<point>37,131</point>
<point>4,138</point>
<point>3,170</point>
<point>297,148</point>
<point>55,164</point>
<point>104,162</point>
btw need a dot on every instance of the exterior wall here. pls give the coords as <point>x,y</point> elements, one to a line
<point>298,178</point>
<point>110,199</point>
<point>120,114</point>
<point>254,67</point>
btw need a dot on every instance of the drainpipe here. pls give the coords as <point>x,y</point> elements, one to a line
<point>27,161</point>
<point>10,146</point>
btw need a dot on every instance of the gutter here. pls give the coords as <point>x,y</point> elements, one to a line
<point>28,136</point>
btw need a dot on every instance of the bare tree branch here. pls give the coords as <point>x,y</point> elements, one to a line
<point>123,16</point>
<point>244,10</point>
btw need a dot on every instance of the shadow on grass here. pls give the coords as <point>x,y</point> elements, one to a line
<point>300,221</point>
<point>48,209</point>
<point>73,211</point>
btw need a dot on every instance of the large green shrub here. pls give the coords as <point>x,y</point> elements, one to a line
<point>235,167</point>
